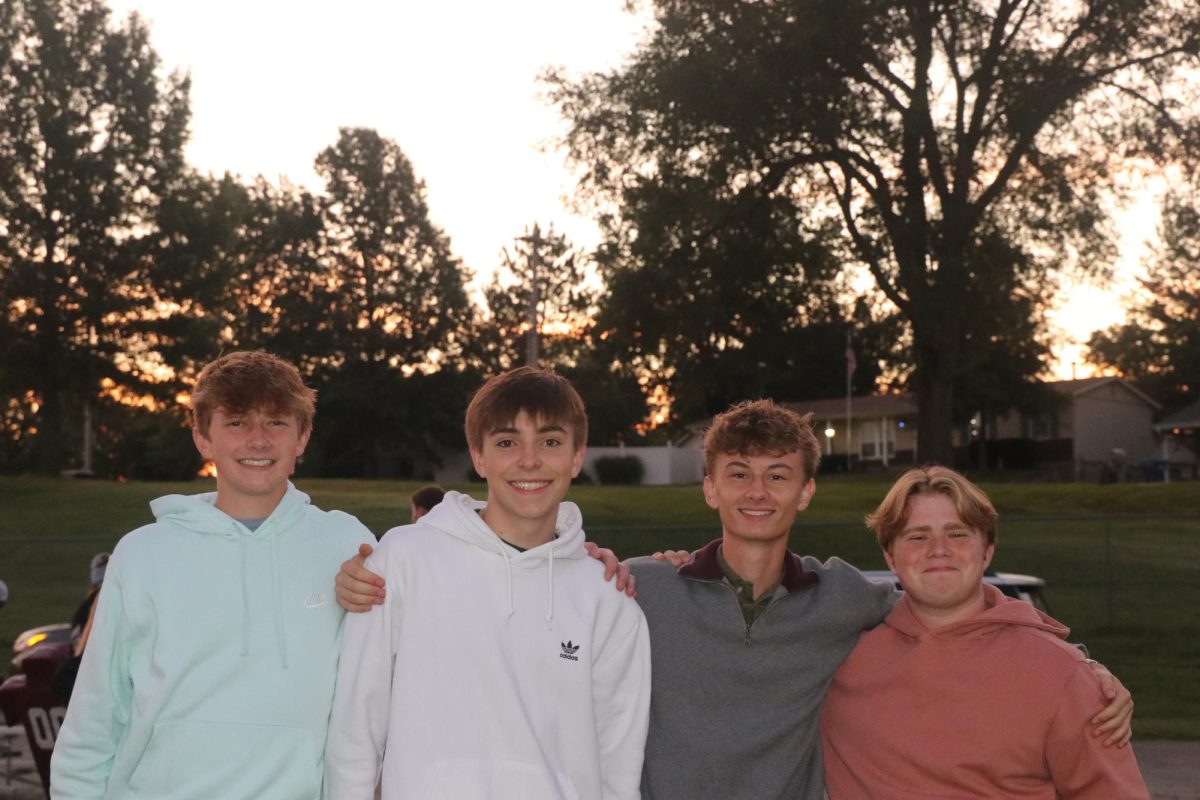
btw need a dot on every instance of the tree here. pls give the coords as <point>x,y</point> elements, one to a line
<point>544,275</point>
<point>400,291</point>
<point>1159,347</point>
<point>240,266</point>
<point>396,305</point>
<point>722,300</point>
<point>538,299</point>
<point>90,139</point>
<point>929,131</point>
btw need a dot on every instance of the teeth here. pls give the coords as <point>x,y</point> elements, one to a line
<point>256,462</point>
<point>530,485</point>
<point>753,512</point>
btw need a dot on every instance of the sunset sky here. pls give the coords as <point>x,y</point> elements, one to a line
<point>454,84</point>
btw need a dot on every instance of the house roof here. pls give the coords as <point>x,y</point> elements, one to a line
<point>1186,417</point>
<point>867,405</point>
<point>1085,385</point>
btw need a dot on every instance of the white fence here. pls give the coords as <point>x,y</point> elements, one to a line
<point>663,465</point>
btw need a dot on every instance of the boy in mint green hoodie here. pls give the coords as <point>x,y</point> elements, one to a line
<point>211,665</point>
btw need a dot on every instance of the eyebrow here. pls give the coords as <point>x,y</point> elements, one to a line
<point>947,526</point>
<point>543,429</point>
<point>776,465</point>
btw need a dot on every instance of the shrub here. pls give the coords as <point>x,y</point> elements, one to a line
<point>624,470</point>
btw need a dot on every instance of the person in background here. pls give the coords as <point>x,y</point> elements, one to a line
<point>424,499</point>
<point>963,692</point>
<point>81,623</point>
<point>63,682</point>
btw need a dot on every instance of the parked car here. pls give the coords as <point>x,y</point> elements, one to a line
<point>1022,587</point>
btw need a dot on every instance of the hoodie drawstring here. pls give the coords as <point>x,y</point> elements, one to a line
<point>245,597</point>
<point>279,634</point>
<point>507,575</point>
<point>550,593</point>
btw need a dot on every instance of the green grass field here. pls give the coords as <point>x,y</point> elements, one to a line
<point>1122,563</point>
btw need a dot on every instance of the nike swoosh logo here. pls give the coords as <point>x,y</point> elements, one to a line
<point>311,604</point>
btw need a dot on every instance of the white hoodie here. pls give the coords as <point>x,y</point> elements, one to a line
<point>490,673</point>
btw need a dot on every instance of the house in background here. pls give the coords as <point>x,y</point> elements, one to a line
<point>1098,428</point>
<point>1180,432</point>
<point>1088,429</point>
<point>881,431</point>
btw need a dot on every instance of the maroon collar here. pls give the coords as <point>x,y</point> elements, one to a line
<point>704,567</point>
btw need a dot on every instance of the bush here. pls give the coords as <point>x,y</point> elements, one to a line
<point>619,470</point>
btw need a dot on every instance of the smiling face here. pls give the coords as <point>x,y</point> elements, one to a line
<point>758,496</point>
<point>528,464</point>
<point>940,560</point>
<point>255,453</point>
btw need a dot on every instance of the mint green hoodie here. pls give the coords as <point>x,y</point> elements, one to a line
<point>210,668</point>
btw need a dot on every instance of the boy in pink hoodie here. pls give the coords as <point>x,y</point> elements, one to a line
<point>962,692</point>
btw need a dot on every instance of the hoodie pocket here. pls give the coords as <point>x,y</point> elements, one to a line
<point>497,780</point>
<point>202,760</point>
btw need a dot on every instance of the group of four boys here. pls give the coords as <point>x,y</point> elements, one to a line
<point>493,661</point>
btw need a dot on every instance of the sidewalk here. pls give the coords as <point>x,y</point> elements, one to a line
<point>1171,769</point>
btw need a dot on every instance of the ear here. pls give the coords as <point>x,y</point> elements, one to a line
<point>987,555</point>
<point>887,556</point>
<point>303,443</point>
<point>710,492</point>
<point>577,461</point>
<point>477,460</point>
<point>806,495</point>
<point>202,443</point>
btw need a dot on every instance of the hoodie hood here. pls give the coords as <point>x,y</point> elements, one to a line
<point>1001,611</point>
<point>458,516</point>
<point>199,513</point>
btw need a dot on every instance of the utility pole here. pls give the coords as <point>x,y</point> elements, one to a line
<point>851,366</point>
<point>532,342</point>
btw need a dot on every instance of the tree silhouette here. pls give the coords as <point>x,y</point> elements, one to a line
<point>90,140</point>
<point>915,139</point>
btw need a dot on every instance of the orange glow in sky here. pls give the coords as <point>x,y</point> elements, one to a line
<point>454,84</point>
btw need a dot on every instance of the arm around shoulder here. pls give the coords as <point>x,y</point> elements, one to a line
<point>1081,767</point>
<point>868,601</point>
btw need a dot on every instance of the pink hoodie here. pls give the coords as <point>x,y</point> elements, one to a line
<point>997,705</point>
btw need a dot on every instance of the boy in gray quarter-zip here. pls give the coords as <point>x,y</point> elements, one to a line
<point>748,634</point>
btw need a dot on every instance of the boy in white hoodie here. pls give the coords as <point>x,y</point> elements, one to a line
<point>210,666</point>
<point>500,664</point>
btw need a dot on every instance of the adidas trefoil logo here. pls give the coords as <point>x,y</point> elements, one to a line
<point>569,650</point>
<point>316,600</point>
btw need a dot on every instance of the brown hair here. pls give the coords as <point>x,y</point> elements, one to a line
<point>427,496</point>
<point>249,380</point>
<point>540,393</point>
<point>759,427</point>
<point>973,507</point>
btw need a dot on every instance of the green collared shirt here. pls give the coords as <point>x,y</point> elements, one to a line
<point>752,607</point>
